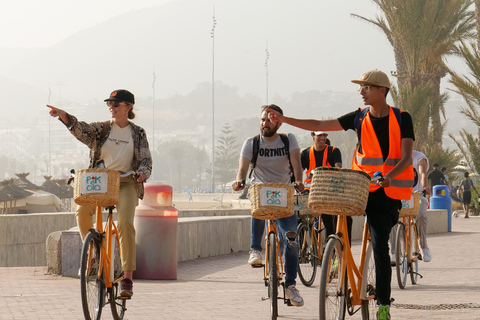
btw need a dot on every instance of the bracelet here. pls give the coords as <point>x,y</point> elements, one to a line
<point>298,181</point>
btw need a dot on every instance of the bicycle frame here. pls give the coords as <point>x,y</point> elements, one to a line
<point>409,224</point>
<point>106,252</point>
<point>354,272</point>
<point>272,227</point>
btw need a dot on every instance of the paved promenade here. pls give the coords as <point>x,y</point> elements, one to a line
<point>226,287</point>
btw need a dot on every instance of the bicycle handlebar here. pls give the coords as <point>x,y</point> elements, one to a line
<point>126,174</point>
<point>377,176</point>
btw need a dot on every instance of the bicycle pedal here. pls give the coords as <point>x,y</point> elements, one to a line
<point>257,265</point>
<point>288,303</point>
<point>124,298</point>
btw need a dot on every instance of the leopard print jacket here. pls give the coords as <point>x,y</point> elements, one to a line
<point>90,135</point>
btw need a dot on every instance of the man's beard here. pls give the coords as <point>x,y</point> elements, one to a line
<point>269,132</point>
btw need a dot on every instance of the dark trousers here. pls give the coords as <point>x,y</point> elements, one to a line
<point>330,223</point>
<point>382,215</point>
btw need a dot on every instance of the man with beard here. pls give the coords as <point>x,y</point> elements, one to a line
<point>273,165</point>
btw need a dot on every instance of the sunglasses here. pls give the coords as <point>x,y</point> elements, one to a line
<point>366,87</point>
<point>115,104</point>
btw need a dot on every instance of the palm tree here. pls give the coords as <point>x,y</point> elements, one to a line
<point>422,33</point>
<point>468,86</point>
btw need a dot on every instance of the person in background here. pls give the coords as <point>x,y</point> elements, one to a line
<point>435,176</point>
<point>385,139</point>
<point>322,154</point>
<point>273,165</point>
<point>122,146</point>
<point>445,177</point>
<point>466,185</point>
<point>420,166</point>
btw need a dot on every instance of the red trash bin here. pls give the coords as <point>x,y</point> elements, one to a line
<point>156,223</point>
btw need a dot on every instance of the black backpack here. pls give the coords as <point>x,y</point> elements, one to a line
<point>256,149</point>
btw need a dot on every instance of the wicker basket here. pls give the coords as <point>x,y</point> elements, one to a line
<point>96,187</point>
<point>411,211</point>
<point>302,202</point>
<point>338,191</point>
<point>272,200</point>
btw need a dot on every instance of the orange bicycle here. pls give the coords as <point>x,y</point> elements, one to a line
<point>407,249</point>
<point>344,285</point>
<point>100,264</point>
<point>311,241</point>
<point>272,201</point>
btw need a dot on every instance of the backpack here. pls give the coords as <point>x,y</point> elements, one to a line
<point>256,149</point>
<point>359,117</point>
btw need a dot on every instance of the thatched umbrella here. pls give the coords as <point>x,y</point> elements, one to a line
<point>15,192</point>
<point>23,182</point>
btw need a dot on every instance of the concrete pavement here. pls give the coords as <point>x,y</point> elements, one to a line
<point>225,287</point>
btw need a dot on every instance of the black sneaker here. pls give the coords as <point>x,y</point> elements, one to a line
<point>126,287</point>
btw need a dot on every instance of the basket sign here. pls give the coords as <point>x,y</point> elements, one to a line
<point>93,182</point>
<point>270,196</point>
<point>408,203</point>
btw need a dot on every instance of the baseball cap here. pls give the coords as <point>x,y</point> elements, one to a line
<point>374,78</point>
<point>317,133</point>
<point>121,95</point>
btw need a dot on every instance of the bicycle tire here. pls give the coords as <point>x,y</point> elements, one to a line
<point>332,302</point>
<point>414,264</point>
<point>369,307</point>
<point>307,261</point>
<point>272,275</point>
<point>117,305</point>
<point>92,287</point>
<point>401,256</point>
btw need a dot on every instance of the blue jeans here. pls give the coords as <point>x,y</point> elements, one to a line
<point>289,246</point>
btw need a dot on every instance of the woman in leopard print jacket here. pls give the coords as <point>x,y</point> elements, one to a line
<point>122,146</point>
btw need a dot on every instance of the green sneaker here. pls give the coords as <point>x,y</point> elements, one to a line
<point>383,313</point>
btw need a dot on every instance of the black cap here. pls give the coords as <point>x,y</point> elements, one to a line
<point>121,95</point>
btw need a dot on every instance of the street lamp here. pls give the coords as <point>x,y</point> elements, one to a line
<point>266,67</point>
<point>212,35</point>
<point>49,169</point>
<point>153,115</point>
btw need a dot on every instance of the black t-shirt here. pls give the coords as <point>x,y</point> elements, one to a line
<point>332,157</point>
<point>380,125</point>
<point>436,177</point>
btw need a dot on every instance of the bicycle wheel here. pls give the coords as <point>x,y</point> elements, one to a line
<point>332,302</point>
<point>368,294</point>
<point>117,305</point>
<point>272,275</point>
<point>415,252</point>
<point>401,256</point>
<point>307,262</point>
<point>92,287</point>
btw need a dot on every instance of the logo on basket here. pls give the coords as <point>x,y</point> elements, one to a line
<point>270,196</point>
<point>336,185</point>
<point>273,197</point>
<point>94,183</point>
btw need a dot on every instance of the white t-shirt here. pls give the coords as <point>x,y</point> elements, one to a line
<point>272,161</point>
<point>417,156</point>
<point>117,151</point>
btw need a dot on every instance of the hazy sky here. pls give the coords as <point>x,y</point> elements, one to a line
<point>340,47</point>
<point>32,23</point>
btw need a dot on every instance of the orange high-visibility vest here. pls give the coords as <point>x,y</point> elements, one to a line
<point>371,158</point>
<point>313,165</point>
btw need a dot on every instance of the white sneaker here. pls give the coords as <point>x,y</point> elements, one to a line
<point>294,296</point>
<point>255,258</point>
<point>427,255</point>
